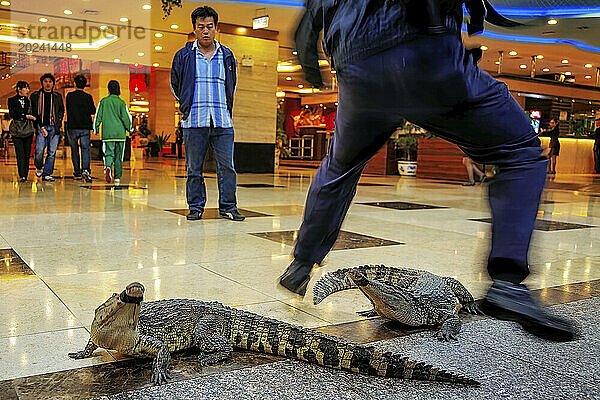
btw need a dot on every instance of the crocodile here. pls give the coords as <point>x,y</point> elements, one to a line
<point>156,329</point>
<point>409,296</point>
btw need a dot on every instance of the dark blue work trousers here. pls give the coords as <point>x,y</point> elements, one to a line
<point>433,82</point>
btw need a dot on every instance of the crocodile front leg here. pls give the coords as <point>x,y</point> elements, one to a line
<point>212,345</point>
<point>462,294</point>
<point>450,328</point>
<point>85,353</point>
<point>148,345</point>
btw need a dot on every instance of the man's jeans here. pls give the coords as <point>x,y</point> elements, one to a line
<point>432,82</point>
<point>42,143</point>
<point>80,138</point>
<point>196,142</point>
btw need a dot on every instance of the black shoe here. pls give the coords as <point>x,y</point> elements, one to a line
<point>77,177</point>
<point>22,179</point>
<point>296,276</point>
<point>469,184</point>
<point>510,301</point>
<point>233,215</point>
<point>194,215</point>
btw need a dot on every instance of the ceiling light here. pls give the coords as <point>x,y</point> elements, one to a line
<point>513,53</point>
<point>568,73</point>
<point>241,30</point>
<point>159,48</point>
<point>158,34</point>
<point>522,66</point>
<point>280,94</point>
<point>146,6</point>
<point>174,26</point>
<point>123,19</point>
<point>552,21</point>
<point>333,71</point>
<point>288,78</point>
<point>497,63</point>
<point>5,3</point>
<point>588,65</point>
<point>539,57</point>
<point>565,61</point>
<point>323,63</point>
<point>117,60</point>
<point>74,56</point>
<point>300,86</point>
<point>43,19</point>
<point>68,12</point>
<point>295,52</point>
<point>103,27</point>
<point>155,65</point>
<point>546,70</point>
<point>140,54</point>
<point>484,48</point>
<point>588,77</point>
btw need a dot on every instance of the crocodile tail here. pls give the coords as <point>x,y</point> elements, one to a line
<point>339,280</point>
<point>254,332</point>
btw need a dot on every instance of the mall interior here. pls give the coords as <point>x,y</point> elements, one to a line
<point>66,246</point>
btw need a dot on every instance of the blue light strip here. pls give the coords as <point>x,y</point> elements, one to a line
<point>528,13</point>
<point>539,40</point>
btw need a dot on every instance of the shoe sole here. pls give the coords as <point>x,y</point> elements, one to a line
<point>529,324</point>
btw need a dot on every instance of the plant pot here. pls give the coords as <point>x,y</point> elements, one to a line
<point>407,168</point>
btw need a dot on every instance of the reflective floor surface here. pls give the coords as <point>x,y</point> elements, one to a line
<point>66,246</point>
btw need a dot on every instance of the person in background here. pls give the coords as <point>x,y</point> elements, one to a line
<point>22,127</point>
<point>115,120</point>
<point>554,146</point>
<point>80,108</point>
<point>472,169</point>
<point>179,140</point>
<point>48,106</point>
<point>5,131</point>
<point>596,137</point>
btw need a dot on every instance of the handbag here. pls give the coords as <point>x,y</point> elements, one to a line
<point>21,128</point>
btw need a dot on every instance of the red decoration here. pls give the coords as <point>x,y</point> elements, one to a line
<point>137,83</point>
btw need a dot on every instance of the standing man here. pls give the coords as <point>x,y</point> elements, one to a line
<point>554,145</point>
<point>49,106</point>
<point>80,108</point>
<point>596,137</point>
<point>203,80</point>
<point>407,60</point>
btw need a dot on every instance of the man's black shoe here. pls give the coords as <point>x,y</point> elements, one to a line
<point>510,301</point>
<point>296,276</point>
<point>194,215</point>
<point>233,215</point>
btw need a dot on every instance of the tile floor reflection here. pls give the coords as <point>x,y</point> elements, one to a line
<point>65,248</point>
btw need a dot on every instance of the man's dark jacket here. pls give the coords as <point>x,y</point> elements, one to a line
<point>58,109</point>
<point>183,77</point>
<point>357,29</point>
<point>80,108</point>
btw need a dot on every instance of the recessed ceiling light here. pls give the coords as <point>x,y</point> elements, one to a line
<point>568,73</point>
<point>68,12</point>
<point>288,78</point>
<point>539,57</point>
<point>522,66</point>
<point>117,60</point>
<point>74,56</point>
<point>300,86</point>
<point>552,21</point>
<point>146,6</point>
<point>174,26</point>
<point>484,48</point>
<point>158,34</point>
<point>140,54</point>
<point>43,19</point>
<point>159,48</point>
<point>497,63</point>
<point>295,52</point>
<point>546,70</point>
<point>241,30</point>
<point>123,19</point>
<point>5,3</point>
<point>565,61</point>
<point>103,27</point>
<point>513,53</point>
<point>588,65</point>
<point>588,77</point>
<point>155,65</point>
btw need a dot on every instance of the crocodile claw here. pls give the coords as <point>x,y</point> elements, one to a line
<point>159,376</point>
<point>445,336</point>
<point>78,355</point>
<point>472,308</point>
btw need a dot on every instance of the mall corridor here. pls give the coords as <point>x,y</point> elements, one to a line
<point>67,246</point>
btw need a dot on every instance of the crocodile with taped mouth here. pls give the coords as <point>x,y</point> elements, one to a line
<point>409,296</point>
<point>158,328</point>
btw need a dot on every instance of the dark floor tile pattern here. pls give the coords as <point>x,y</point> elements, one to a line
<point>401,205</point>
<point>373,184</point>
<point>213,213</point>
<point>544,225</point>
<point>132,374</point>
<point>110,187</point>
<point>12,266</point>
<point>258,185</point>
<point>346,240</point>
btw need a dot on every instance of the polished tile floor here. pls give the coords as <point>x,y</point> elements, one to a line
<point>66,246</point>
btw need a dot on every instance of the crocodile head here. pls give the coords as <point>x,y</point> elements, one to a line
<point>387,300</point>
<point>115,321</point>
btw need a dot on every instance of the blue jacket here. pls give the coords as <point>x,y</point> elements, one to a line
<point>353,30</point>
<point>183,77</point>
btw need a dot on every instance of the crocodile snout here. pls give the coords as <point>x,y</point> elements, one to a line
<point>358,277</point>
<point>135,289</point>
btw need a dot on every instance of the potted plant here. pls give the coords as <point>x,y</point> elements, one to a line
<point>161,140</point>
<point>406,145</point>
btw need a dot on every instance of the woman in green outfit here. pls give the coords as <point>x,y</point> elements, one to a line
<point>115,119</point>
